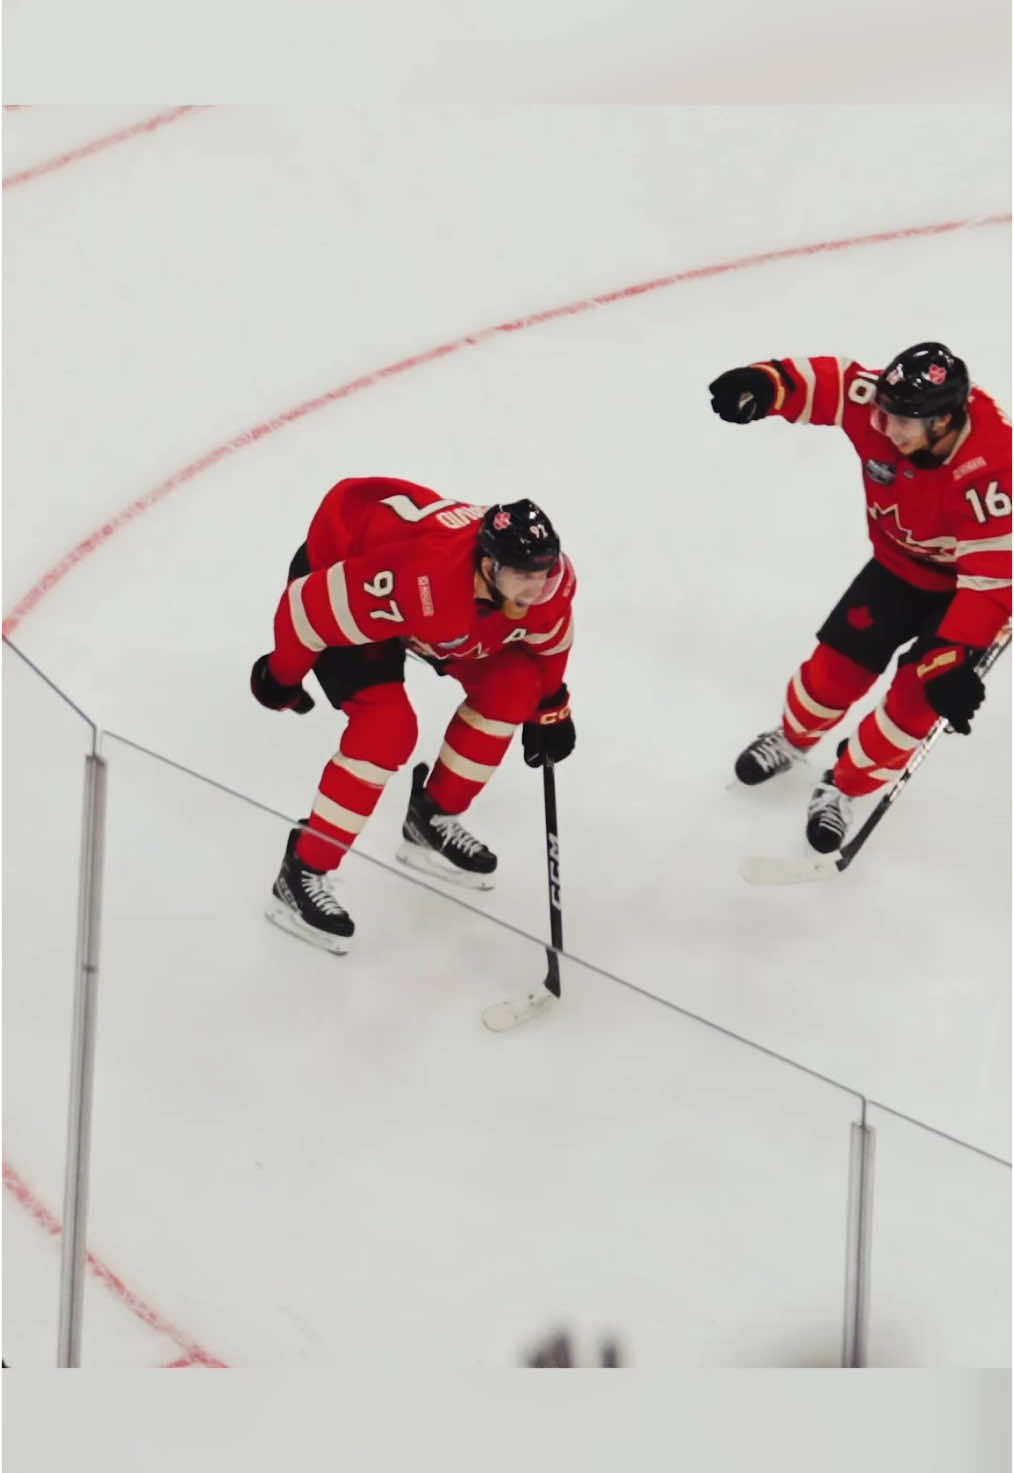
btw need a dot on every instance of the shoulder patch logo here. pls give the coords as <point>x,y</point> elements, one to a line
<point>881,471</point>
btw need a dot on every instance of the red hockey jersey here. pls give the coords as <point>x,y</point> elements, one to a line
<point>944,528</point>
<point>393,560</point>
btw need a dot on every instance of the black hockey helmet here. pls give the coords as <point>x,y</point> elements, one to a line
<point>922,382</point>
<point>518,534</point>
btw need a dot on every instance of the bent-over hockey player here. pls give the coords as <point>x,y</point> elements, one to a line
<point>483,594</point>
<point>936,466</point>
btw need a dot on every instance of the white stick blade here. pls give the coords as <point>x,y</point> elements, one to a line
<point>500,1016</point>
<point>762,869</point>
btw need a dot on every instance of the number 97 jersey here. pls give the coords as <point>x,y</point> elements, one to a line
<point>942,528</point>
<point>393,560</point>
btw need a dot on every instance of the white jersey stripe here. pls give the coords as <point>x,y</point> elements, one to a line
<point>565,642</point>
<point>826,713</point>
<point>809,378</point>
<point>305,632</point>
<point>338,593</point>
<point>483,723</point>
<point>982,585</point>
<point>366,772</point>
<point>474,772</point>
<point>544,638</point>
<point>983,544</point>
<point>894,733</point>
<point>858,755</point>
<point>341,818</point>
<point>844,364</point>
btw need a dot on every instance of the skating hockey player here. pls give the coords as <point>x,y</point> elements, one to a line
<point>936,467</point>
<point>484,595</point>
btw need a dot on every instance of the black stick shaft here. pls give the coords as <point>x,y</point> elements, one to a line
<point>553,875</point>
<point>850,849</point>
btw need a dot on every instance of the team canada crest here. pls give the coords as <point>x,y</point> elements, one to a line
<point>936,373</point>
<point>501,520</point>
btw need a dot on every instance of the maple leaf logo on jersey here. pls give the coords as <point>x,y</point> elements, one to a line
<point>933,549</point>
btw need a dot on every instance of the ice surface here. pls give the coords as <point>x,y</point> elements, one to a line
<point>301,1159</point>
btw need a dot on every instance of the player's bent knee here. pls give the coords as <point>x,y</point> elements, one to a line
<point>383,727</point>
<point>835,677</point>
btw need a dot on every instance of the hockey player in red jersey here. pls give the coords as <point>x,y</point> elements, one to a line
<point>936,466</point>
<point>483,594</point>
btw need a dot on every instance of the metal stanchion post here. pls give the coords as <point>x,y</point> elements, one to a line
<point>79,1117</point>
<point>858,1245</point>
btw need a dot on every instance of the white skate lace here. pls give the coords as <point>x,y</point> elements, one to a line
<point>316,888</point>
<point>771,750</point>
<point>832,807</point>
<point>452,833</point>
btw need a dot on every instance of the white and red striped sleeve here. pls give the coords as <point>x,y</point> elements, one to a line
<point>363,600</point>
<point>820,392</point>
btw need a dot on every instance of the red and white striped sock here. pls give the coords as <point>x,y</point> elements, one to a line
<point>886,738</point>
<point>473,748</point>
<point>820,693</point>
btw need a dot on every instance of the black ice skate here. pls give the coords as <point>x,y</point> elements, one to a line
<point>304,905</point>
<point>766,756</point>
<point>828,816</point>
<point>436,843</point>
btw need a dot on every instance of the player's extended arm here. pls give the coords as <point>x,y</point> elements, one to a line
<point>806,391</point>
<point>741,395</point>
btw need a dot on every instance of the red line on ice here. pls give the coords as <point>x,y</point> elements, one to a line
<point>260,431</point>
<point>194,1354</point>
<point>97,145</point>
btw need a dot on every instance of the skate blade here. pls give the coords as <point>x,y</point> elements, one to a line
<point>428,862</point>
<point>500,1016</point>
<point>280,915</point>
<point>765,869</point>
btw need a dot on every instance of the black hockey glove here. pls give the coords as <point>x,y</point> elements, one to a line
<point>951,684</point>
<point>743,394</point>
<point>550,735</point>
<point>277,697</point>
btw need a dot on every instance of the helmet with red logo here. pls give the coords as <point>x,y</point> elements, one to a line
<point>518,534</point>
<point>922,382</point>
<point>524,550</point>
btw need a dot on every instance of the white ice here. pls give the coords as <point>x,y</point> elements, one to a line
<point>300,1160</point>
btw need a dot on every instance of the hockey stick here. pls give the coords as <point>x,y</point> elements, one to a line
<point>552,978</point>
<point>502,1015</point>
<point>765,870</point>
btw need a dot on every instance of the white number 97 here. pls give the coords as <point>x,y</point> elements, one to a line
<point>382,587</point>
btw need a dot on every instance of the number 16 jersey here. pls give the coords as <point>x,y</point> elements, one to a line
<point>946,527</point>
